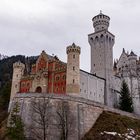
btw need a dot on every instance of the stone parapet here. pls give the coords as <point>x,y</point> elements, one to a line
<point>83,112</point>
<point>76,99</point>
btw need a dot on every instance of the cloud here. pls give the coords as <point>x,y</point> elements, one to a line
<point>30,26</point>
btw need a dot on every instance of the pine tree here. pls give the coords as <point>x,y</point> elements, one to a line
<point>5,96</point>
<point>16,129</point>
<point>125,103</point>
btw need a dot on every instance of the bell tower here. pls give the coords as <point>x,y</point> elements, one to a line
<point>101,42</point>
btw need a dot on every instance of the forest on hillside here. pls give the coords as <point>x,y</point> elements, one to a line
<point>6,71</point>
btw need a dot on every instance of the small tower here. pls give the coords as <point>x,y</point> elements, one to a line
<point>73,70</point>
<point>101,42</point>
<point>132,59</point>
<point>18,70</point>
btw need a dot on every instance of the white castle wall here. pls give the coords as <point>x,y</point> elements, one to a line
<point>133,86</point>
<point>92,87</point>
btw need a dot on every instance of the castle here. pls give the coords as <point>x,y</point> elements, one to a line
<point>51,75</point>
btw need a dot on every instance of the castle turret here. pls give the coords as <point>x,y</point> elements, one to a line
<point>73,70</point>
<point>100,22</point>
<point>132,59</point>
<point>101,42</point>
<point>18,70</point>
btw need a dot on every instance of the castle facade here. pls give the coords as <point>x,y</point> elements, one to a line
<point>51,75</point>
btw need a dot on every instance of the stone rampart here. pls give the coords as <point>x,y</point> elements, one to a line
<point>84,112</point>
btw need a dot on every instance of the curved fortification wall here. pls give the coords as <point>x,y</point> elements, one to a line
<point>82,113</point>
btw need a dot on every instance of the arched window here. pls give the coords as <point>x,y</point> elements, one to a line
<point>102,38</point>
<point>91,39</point>
<point>96,38</point>
<point>109,39</point>
<point>38,89</point>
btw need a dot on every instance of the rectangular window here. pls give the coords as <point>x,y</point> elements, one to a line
<point>73,81</point>
<point>73,68</point>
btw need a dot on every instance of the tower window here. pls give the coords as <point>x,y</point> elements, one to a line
<point>57,78</point>
<point>91,39</point>
<point>28,84</point>
<point>74,56</point>
<point>73,68</point>
<point>73,81</point>
<point>64,77</point>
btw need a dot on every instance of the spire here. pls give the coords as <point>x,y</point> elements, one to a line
<point>123,50</point>
<point>132,53</point>
<point>115,64</point>
<point>73,44</point>
<point>100,11</point>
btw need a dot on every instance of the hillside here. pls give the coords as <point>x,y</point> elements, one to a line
<point>6,70</point>
<point>6,66</point>
<point>111,126</point>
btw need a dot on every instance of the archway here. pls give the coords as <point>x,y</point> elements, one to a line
<point>38,90</point>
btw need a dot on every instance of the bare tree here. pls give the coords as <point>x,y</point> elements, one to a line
<point>65,119</point>
<point>41,113</point>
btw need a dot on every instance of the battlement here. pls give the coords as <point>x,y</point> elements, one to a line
<point>101,22</point>
<point>73,48</point>
<point>18,65</point>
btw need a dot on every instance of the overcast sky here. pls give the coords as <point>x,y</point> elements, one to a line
<point>29,26</point>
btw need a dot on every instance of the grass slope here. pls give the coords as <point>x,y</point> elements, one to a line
<point>112,122</point>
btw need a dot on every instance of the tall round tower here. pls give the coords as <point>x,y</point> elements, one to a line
<point>18,70</point>
<point>73,70</point>
<point>101,42</point>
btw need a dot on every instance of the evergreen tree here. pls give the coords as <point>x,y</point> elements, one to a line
<point>125,103</point>
<point>16,128</point>
<point>5,96</point>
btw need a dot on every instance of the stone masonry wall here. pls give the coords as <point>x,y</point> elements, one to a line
<point>84,113</point>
